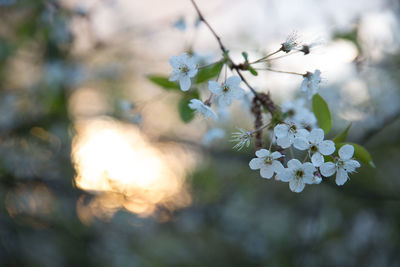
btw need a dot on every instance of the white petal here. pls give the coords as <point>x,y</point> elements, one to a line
<point>326,147</point>
<point>276,155</point>
<point>296,185</point>
<point>281,130</point>
<point>341,176</point>
<point>317,159</point>
<point>194,104</point>
<point>346,152</point>
<point>185,58</point>
<point>308,179</point>
<point>303,133</point>
<point>285,175</point>
<point>224,100</point>
<point>284,142</point>
<point>184,82</point>
<point>351,165</point>
<point>316,136</point>
<point>267,171</point>
<point>233,81</point>
<point>327,169</point>
<point>317,179</point>
<point>256,163</point>
<point>175,62</point>
<point>192,72</point>
<point>308,168</point>
<point>294,164</point>
<point>174,76</point>
<point>214,87</point>
<point>262,153</point>
<point>300,143</point>
<point>237,93</point>
<point>278,167</point>
<point>304,85</point>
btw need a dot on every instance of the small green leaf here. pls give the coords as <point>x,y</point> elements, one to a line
<point>342,136</point>
<point>322,113</point>
<point>360,153</point>
<point>186,113</point>
<point>253,71</point>
<point>209,72</point>
<point>163,82</point>
<point>245,55</point>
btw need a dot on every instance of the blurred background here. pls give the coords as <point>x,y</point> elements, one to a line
<point>98,169</point>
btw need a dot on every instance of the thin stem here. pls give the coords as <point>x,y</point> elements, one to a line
<point>208,65</point>
<point>281,71</point>
<point>286,55</point>
<point>260,128</point>
<point>267,56</point>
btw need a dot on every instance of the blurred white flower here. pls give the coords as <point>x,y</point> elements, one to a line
<point>184,68</point>
<point>203,109</point>
<point>267,163</point>
<point>227,91</point>
<point>285,134</point>
<point>213,134</point>
<point>343,166</point>
<point>316,145</point>
<point>311,83</point>
<point>297,174</point>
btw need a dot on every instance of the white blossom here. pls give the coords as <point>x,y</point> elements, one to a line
<point>243,138</point>
<point>285,134</point>
<point>227,91</point>
<point>297,174</point>
<point>184,68</point>
<point>311,83</point>
<point>202,108</point>
<point>344,165</point>
<point>213,134</point>
<point>316,145</point>
<point>267,163</point>
<point>290,43</point>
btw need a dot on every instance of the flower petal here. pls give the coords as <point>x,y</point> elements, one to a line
<point>327,169</point>
<point>278,167</point>
<point>316,136</point>
<point>346,152</point>
<point>267,171</point>
<point>317,159</point>
<point>214,87</point>
<point>341,176</point>
<point>294,164</point>
<point>285,175</point>
<point>192,72</point>
<point>233,81</point>
<point>284,142</point>
<point>326,147</point>
<point>301,143</point>
<point>309,169</point>
<point>351,165</point>
<point>262,153</point>
<point>184,82</point>
<point>276,155</point>
<point>296,185</point>
<point>224,100</point>
<point>237,93</point>
<point>281,130</point>
<point>256,163</point>
<point>175,62</point>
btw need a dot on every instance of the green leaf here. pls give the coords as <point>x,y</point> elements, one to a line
<point>209,72</point>
<point>253,71</point>
<point>186,113</point>
<point>360,153</point>
<point>322,113</point>
<point>342,136</point>
<point>245,55</point>
<point>163,82</point>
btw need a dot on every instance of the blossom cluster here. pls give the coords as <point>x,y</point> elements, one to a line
<point>298,152</point>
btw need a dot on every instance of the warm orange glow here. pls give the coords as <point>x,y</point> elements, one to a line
<point>125,170</point>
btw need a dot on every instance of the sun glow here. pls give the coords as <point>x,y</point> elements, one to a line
<point>117,163</point>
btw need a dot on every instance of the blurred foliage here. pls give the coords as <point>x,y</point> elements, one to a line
<point>236,218</point>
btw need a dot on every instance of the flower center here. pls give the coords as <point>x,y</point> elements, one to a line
<point>225,88</point>
<point>299,173</point>
<point>314,148</point>
<point>184,69</point>
<point>268,160</point>
<point>291,113</point>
